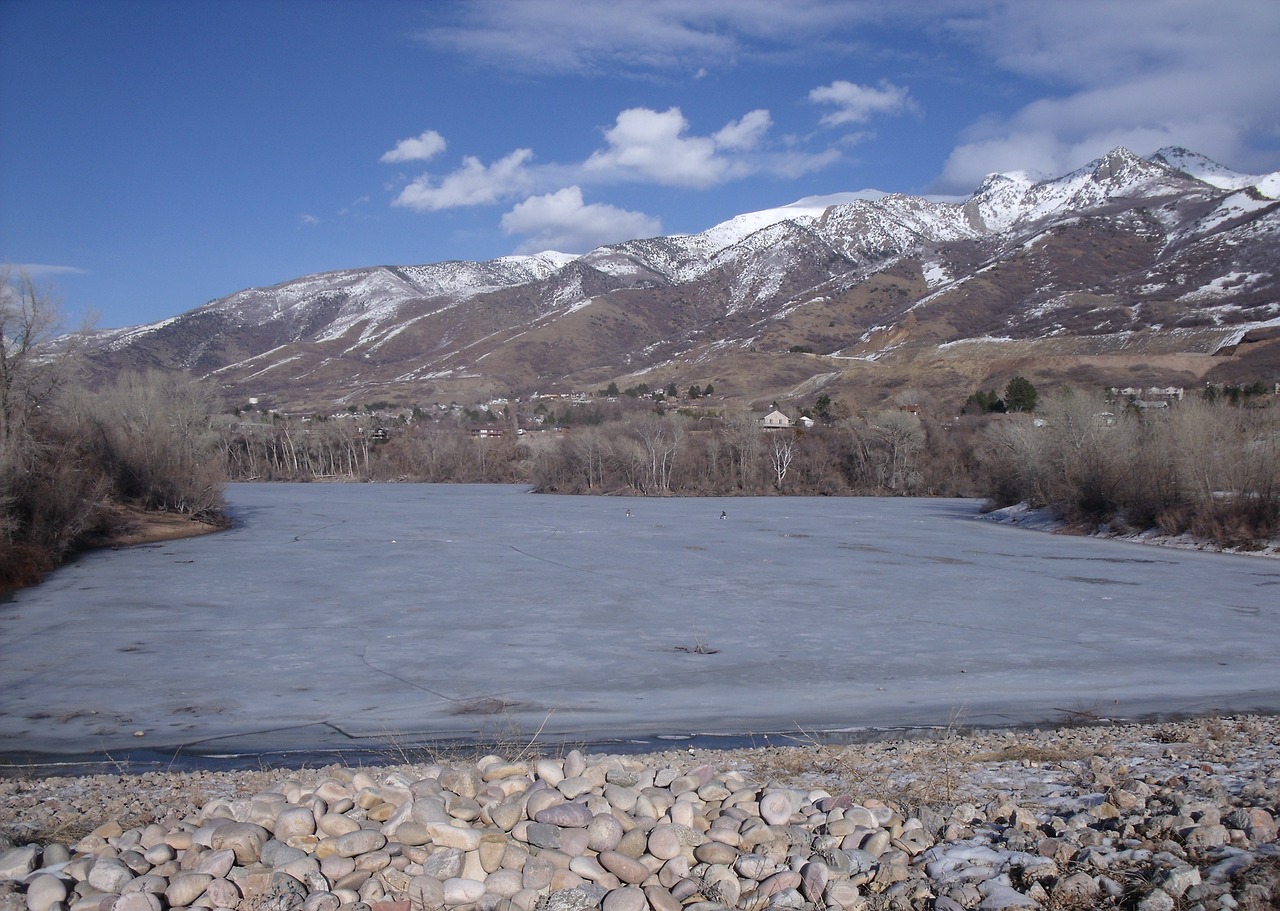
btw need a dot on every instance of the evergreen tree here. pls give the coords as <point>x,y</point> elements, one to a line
<point>1020,395</point>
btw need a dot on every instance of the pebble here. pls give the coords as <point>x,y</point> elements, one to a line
<point>1171,816</point>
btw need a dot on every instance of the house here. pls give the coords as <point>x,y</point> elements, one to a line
<point>775,420</point>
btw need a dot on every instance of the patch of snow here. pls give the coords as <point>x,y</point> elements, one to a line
<point>119,338</point>
<point>806,210</point>
<point>1209,171</point>
<point>249,360</point>
<point>977,340</point>
<point>1235,206</point>
<point>1225,284</point>
<point>270,367</point>
<point>1047,519</point>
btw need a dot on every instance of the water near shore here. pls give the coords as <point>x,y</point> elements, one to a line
<point>380,617</point>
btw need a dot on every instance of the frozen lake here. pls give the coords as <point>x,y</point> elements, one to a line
<point>357,616</point>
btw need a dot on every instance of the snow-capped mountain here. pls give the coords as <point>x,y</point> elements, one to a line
<point>1163,269</point>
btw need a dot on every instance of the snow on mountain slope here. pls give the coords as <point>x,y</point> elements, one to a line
<point>1007,200</point>
<point>1121,244</point>
<point>802,211</point>
<point>1210,172</point>
<point>1230,208</point>
<point>874,230</point>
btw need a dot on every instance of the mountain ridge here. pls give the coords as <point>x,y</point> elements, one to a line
<point>1154,263</point>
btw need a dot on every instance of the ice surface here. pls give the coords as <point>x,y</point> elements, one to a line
<point>347,615</point>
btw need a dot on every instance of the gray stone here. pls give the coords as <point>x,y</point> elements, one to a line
<point>277,854</point>
<point>148,882</point>
<point>43,891</point>
<point>54,854</point>
<point>412,833</point>
<point>542,835</point>
<point>19,863</point>
<point>465,782</point>
<point>998,895</point>
<point>660,899</point>
<point>326,901</point>
<point>775,808</point>
<point>223,893</point>
<point>626,898</point>
<point>627,869</point>
<point>244,838</point>
<point>1078,887</point>
<point>459,891</point>
<point>713,852</point>
<point>294,821</point>
<point>1158,900</point>
<point>537,873</point>
<point>353,844</point>
<point>1211,836</point>
<point>566,815</point>
<point>186,888</point>
<point>444,864</point>
<point>1179,880</point>
<point>283,893</point>
<point>814,877</point>
<point>109,875</point>
<point>426,893</point>
<point>335,824</point>
<point>604,832</point>
<point>579,898</point>
<point>574,764</point>
<point>216,863</point>
<point>844,894</point>
<point>137,901</point>
<point>505,815</point>
<point>754,866</point>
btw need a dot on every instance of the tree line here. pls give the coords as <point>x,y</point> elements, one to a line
<point>624,448</point>
<point>72,459</point>
<point>1206,466</point>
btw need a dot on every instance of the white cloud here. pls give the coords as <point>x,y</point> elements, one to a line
<point>40,270</point>
<point>652,145</point>
<point>796,164</point>
<point>859,103</point>
<point>1142,74</point>
<point>561,221</point>
<point>636,36</point>
<point>308,220</point>
<point>473,184</point>
<point>419,148</point>
<point>745,133</point>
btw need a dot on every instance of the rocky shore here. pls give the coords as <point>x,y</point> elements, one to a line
<point>1178,815</point>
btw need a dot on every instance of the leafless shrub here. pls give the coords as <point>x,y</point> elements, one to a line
<point>68,456</point>
<point>1210,469</point>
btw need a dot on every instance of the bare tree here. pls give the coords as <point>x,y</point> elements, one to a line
<point>745,440</point>
<point>661,438</point>
<point>160,428</point>
<point>902,438</point>
<point>782,451</point>
<point>593,448</point>
<point>30,373</point>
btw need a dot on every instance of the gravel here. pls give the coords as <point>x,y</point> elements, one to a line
<point>1176,815</point>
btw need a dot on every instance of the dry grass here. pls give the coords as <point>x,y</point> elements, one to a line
<point>1030,752</point>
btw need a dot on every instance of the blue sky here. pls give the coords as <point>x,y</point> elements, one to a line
<point>157,155</point>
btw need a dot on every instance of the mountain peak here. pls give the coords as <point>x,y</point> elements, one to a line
<point>1119,162</point>
<point>1206,170</point>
